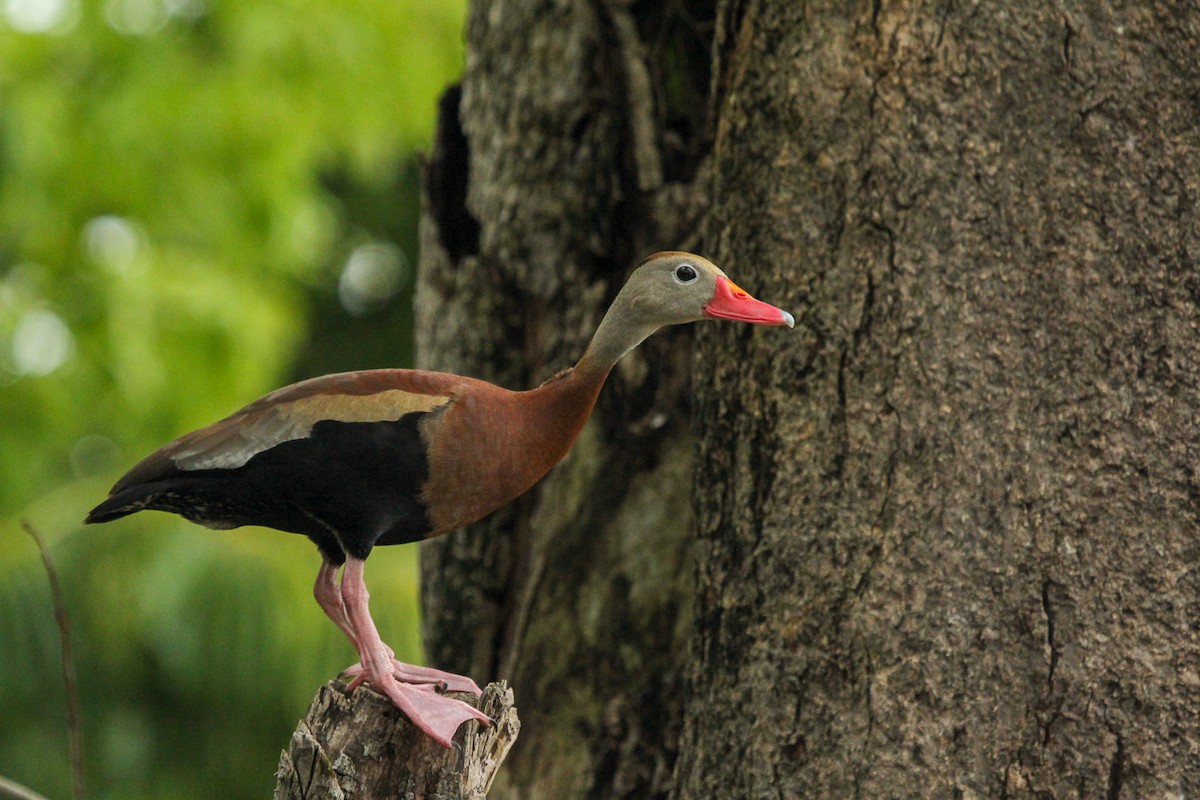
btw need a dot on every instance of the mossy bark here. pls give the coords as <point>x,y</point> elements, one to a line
<point>944,535</point>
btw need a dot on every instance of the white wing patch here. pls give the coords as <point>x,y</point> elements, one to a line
<point>234,445</point>
<point>229,444</point>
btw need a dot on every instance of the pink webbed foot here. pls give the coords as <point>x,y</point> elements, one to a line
<point>438,716</point>
<point>411,673</point>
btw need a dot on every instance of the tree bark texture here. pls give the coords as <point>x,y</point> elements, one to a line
<point>559,163</point>
<point>944,536</point>
<point>358,745</point>
<point>948,543</point>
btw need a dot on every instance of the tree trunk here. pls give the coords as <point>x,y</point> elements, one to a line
<point>949,547</point>
<point>944,541</point>
<point>557,166</point>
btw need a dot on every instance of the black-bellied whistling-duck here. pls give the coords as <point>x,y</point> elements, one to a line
<point>392,456</point>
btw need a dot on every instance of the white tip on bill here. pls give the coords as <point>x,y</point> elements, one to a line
<point>788,319</point>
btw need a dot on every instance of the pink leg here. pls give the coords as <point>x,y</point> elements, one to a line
<point>329,597</point>
<point>438,716</point>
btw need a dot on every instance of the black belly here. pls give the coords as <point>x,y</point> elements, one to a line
<point>347,486</point>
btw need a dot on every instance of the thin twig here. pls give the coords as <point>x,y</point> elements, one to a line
<point>15,791</point>
<point>74,733</point>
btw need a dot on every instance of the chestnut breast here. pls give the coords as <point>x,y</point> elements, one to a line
<point>489,445</point>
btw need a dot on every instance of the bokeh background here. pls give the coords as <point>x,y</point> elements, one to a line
<point>200,200</point>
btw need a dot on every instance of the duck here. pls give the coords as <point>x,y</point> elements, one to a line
<point>357,460</point>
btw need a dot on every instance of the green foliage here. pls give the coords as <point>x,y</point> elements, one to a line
<point>184,187</point>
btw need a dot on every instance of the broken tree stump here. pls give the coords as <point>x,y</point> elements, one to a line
<point>359,746</point>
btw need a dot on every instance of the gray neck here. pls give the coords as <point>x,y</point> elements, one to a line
<point>618,333</point>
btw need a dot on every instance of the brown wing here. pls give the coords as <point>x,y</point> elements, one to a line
<point>289,413</point>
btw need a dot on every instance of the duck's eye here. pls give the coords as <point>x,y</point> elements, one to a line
<point>685,273</point>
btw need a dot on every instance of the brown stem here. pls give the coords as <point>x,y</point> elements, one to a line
<point>74,731</point>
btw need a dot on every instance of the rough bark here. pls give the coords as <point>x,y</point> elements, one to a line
<point>359,745</point>
<point>944,541</point>
<point>948,546</point>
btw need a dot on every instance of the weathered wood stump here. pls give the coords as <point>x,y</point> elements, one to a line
<point>360,746</point>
